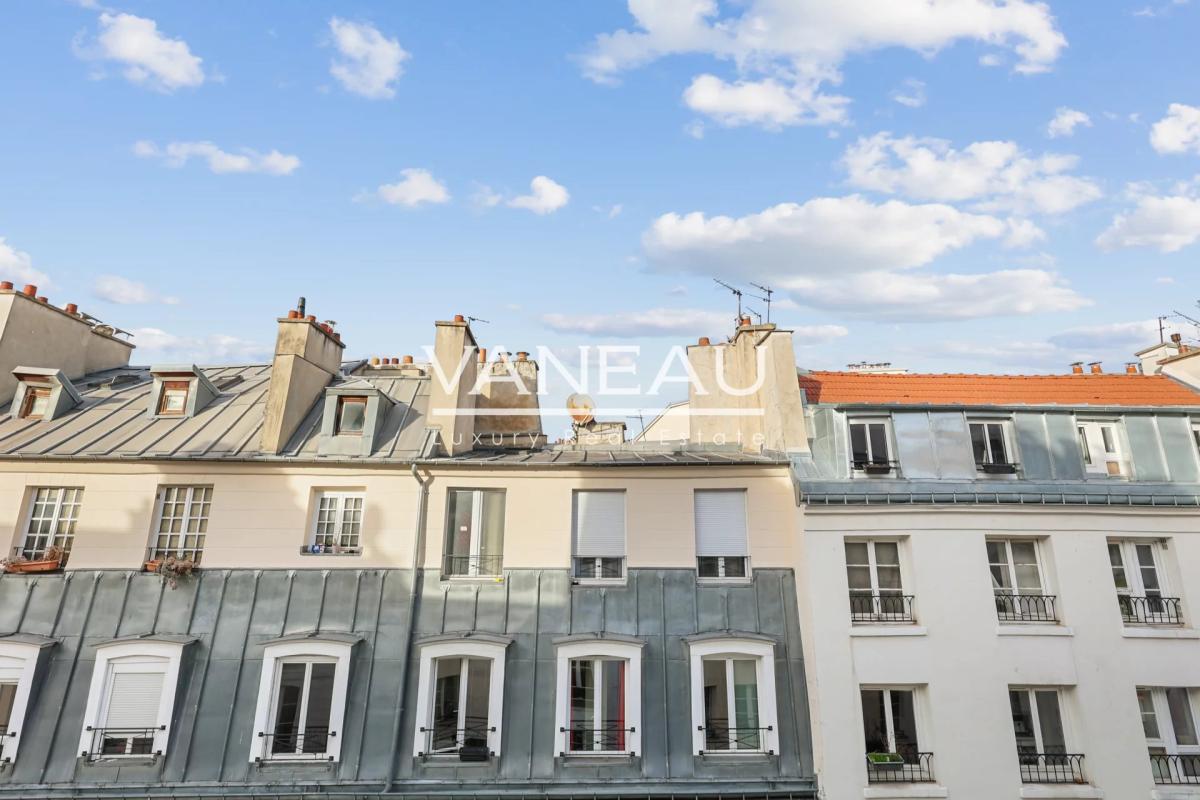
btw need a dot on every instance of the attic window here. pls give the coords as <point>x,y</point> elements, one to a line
<point>36,402</point>
<point>351,415</point>
<point>172,402</point>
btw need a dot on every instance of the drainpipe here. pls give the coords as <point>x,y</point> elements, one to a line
<point>413,595</point>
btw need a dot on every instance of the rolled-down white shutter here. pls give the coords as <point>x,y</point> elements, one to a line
<point>721,523</point>
<point>133,700</point>
<point>599,524</point>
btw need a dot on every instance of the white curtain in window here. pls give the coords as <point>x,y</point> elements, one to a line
<point>599,524</point>
<point>720,523</point>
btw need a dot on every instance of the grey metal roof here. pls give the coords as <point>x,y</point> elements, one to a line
<point>629,456</point>
<point>112,423</point>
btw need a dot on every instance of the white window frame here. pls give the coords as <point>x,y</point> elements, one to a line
<point>1006,434</point>
<point>1166,723</point>
<point>160,502</point>
<point>721,577</point>
<point>1063,714</point>
<point>889,436</point>
<point>1196,438</point>
<point>763,654</point>
<point>138,655</point>
<point>274,656</point>
<point>339,496</point>
<point>19,659</point>
<point>1095,457</point>
<point>1133,568</point>
<point>64,541</point>
<point>889,722</point>
<point>624,557</point>
<point>476,546</point>
<point>628,652</point>
<point>426,683</point>
<point>873,568</point>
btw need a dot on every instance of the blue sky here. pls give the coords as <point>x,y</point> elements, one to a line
<point>579,172</point>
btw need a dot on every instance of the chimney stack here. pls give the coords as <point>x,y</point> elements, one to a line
<point>1096,370</point>
<point>1133,368</point>
<point>307,358</point>
<point>1077,368</point>
<point>452,346</point>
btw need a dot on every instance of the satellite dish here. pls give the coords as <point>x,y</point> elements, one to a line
<point>581,408</point>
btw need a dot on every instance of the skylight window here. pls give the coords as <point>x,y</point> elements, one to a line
<point>36,403</point>
<point>172,401</point>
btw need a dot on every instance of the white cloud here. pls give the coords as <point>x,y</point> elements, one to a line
<point>1177,132</point>
<point>1065,121</point>
<point>785,53</point>
<point>154,344</point>
<point>176,154</point>
<point>1167,224</point>
<point>1166,280</point>
<point>485,197</point>
<point>369,62</point>
<point>911,93</point>
<point>995,175</point>
<point>670,322</point>
<point>612,212</point>
<point>545,196</point>
<point>1125,336</point>
<point>17,266</point>
<point>417,186</point>
<point>148,57</point>
<point>123,291</point>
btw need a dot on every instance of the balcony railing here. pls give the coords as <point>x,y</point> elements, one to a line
<point>1051,767</point>
<point>875,467</point>
<point>470,566</point>
<point>5,735</point>
<point>1150,610</point>
<point>1175,769</point>
<point>330,550</point>
<point>1012,607</point>
<point>310,744</point>
<point>997,467</point>
<point>606,739</point>
<point>719,737</point>
<point>905,766</point>
<point>122,742</point>
<point>468,743</point>
<point>881,607</point>
<point>607,568</point>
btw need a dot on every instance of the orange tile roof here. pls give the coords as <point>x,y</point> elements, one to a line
<point>997,390</point>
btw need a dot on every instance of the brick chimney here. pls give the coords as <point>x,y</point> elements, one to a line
<point>307,357</point>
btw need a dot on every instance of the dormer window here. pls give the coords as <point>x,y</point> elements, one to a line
<point>351,415</point>
<point>36,403</point>
<point>42,394</point>
<point>172,401</point>
<point>989,441</point>
<point>870,446</point>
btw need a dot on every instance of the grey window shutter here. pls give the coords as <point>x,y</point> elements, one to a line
<point>720,523</point>
<point>599,519</point>
<point>133,700</point>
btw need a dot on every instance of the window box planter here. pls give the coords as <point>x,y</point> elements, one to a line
<point>998,469</point>
<point>52,561</point>
<point>876,469</point>
<point>885,761</point>
<point>153,565</point>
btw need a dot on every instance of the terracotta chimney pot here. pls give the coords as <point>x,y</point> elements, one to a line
<point>406,360</point>
<point>704,341</point>
<point>293,314</point>
<point>6,285</point>
<point>522,355</point>
<point>482,355</point>
<point>1077,368</point>
<point>43,299</point>
<point>374,361</point>
<point>1096,369</point>
<point>1132,368</point>
<point>71,309</point>
<point>459,318</point>
<point>745,322</point>
<point>310,318</point>
<point>30,290</point>
<point>1175,337</point>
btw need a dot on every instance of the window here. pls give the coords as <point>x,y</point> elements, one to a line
<point>1138,577</point>
<point>53,511</point>
<point>351,415</point>
<point>1102,451</point>
<point>721,547</point>
<point>1196,436</point>
<point>1041,737</point>
<point>1017,581</point>
<point>873,575</point>
<point>474,532</point>
<point>18,666</point>
<point>989,441</point>
<point>461,698</point>
<point>869,446</point>
<point>733,695</point>
<point>1169,722</point>
<point>132,698</point>
<point>172,400</point>
<point>36,402</point>
<point>890,734</point>
<point>182,522</point>
<point>8,698</point>
<point>599,534</point>
<point>302,698</point>
<point>338,523</point>
<point>599,697</point>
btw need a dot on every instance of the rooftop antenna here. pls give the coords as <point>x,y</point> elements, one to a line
<point>737,293</point>
<point>768,291</point>
<point>1162,334</point>
<point>755,313</point>
<point>477,319</point>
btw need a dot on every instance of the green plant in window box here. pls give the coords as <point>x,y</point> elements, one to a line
<point>885,760</point>
<point>171,569</point>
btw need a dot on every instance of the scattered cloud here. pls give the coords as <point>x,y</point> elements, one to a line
<point>786,54</point>
<point>17,266</point>
<point>632,324</point>
<point>678,290</point>
<point>415,187</point>
<point>154,344</point>
<point>694,129</point>
<point>1178,132</point>
<point>995,176</point>
<point>147,56</point>
<point>545,197</point>
<point>485,197</point>
<point>1165,280</point>
<point>368,63</point>
<point>991,60</point>
<point>1125,336</point>
<point>124,291</point>
<point>176,154</point>
<point>1065,121</point>
<point>612,212</point>
<point>911,93</point>
<point>1165,223</point>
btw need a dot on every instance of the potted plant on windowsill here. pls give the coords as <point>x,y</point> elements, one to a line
<point>171,569</point>
<point>885,761</point>
<point>51,561</point>
<point>990,468</point>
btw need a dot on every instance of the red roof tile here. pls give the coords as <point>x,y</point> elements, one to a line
<point>997,390</point>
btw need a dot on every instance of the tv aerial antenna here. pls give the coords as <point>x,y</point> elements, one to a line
<point>736,293</point>
<point>768,291</point>
<point>477,319</point>
<point>750,310</point>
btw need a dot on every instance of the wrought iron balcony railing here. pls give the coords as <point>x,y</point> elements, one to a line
<point>720,737</point>
<point>468,743</point>
<point>907,765</point>
<point>1175,769</point>
<point>583,740</point>
<point>470,566</point>
<point>608,568</point>
<point>289,745</point>
<point>1011,607</point>
<point>1150,610</point>
<point>122,742</point>
<point>881,607</point>
<point>1051,767</point>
